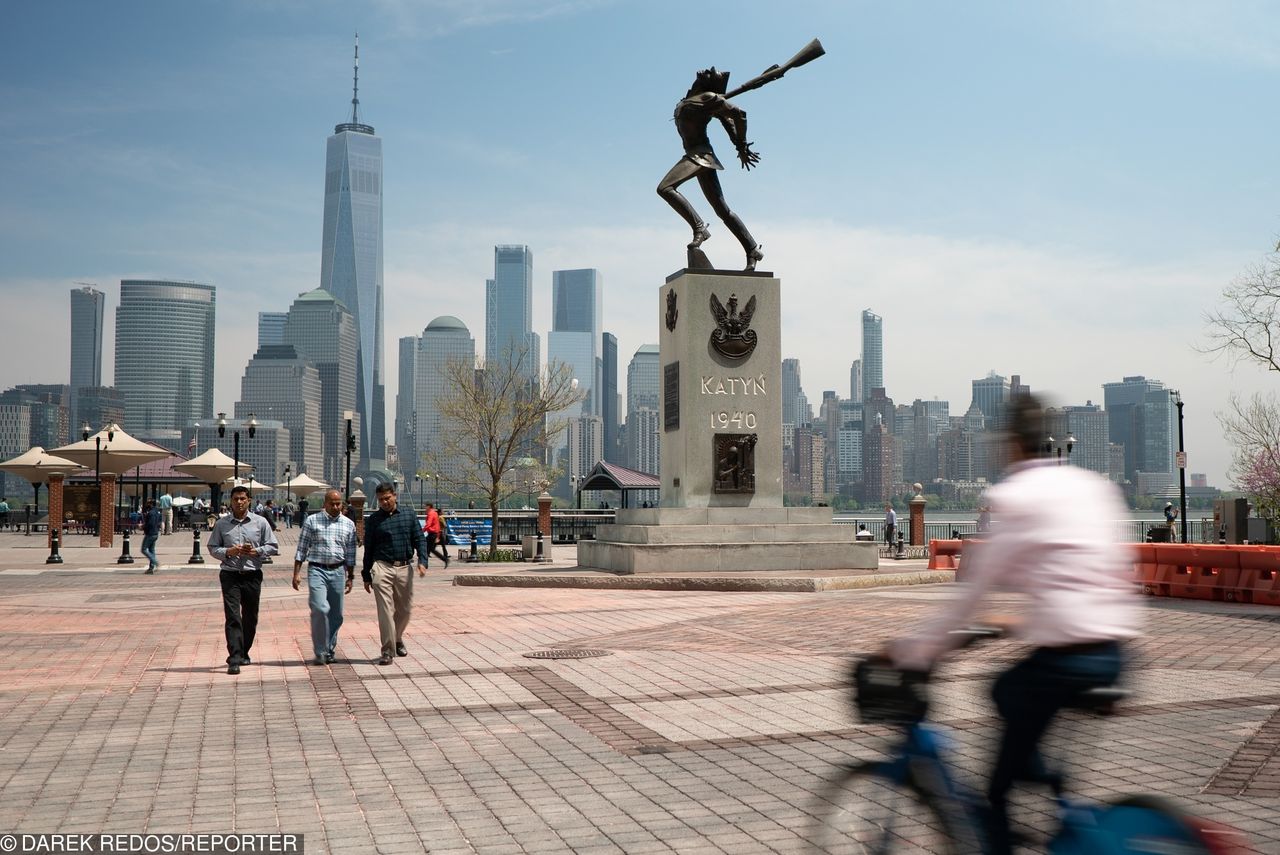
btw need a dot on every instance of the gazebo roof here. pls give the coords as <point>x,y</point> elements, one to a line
<point>610,476</point>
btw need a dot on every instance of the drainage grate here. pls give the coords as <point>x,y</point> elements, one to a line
<point>566,654</point>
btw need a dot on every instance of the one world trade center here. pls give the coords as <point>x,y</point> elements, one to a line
<point>351,266</point>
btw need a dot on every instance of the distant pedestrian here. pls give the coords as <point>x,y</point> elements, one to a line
<point>4,513</point>
<point>328,545</point>
<point>269,514</point>
<point>166,512</point>
<point>863,534</point>
<point>290,509</point>
<point>391,541</point>
<point>890,524</point>
<point>1170,517</point>
<point>984,518</point>
<point>434,535</point>
<point>240,541</point>
<point>303,504</point>
<point>151,526</point>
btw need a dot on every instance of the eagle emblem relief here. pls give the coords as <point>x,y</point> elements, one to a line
<point>733,337</point>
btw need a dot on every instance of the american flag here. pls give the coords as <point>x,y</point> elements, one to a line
<point>191,446</point>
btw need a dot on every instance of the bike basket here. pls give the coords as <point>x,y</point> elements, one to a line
<point>885,694</point>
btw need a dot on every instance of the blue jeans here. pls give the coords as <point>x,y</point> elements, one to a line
<point>149,550</point>
<point>1028,696</point>
<point>325,588</point>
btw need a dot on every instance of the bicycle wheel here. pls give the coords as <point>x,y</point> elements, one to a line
<point>1130,824</point>
<point>865,813</point>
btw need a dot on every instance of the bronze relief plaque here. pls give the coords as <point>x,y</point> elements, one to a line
<point>735,463</point>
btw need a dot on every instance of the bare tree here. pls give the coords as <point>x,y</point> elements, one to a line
<point>494,416</point>
<point>1248,325</point>
<point>1253,429</point>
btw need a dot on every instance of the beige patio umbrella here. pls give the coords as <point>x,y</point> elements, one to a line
<point>36,465</point>
<point>253,484</point>
<point>112,450</point>
<point>303,485</point>
<point>213,467</point>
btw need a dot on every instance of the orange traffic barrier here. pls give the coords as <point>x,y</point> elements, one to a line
<point>1199,572</point>
<point>1259,580</point>
<point>1146,571</point>
<point>944,554</point>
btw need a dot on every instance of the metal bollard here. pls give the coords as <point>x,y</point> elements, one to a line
<point>900,550</point>
<point>473,557</point>
<point>538,554</point>
<point>54,557</point>
<point>125,557</point>
<point>196,557</point>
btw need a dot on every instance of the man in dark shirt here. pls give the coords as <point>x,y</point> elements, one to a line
<point>391,540</point>
<point>151,523</point>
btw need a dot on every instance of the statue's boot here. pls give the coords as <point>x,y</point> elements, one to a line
<point>739,230</point>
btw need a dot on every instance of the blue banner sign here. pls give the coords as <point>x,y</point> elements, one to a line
<point>459,530</point>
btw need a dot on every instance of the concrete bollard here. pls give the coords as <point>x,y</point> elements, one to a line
<point>196,557</point>
<point>54,557</point>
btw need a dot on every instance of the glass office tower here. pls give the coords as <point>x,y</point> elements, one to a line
<point>164,353</point>
<point>351,262</point>
<point>508,316</point>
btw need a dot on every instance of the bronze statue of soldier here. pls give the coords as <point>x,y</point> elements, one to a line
<point>708,99</point>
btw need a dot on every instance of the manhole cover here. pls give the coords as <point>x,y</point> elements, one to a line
<point>565,654</point>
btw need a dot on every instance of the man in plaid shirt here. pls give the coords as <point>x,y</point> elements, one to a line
<point>392,539</point>
<point>328,545</point>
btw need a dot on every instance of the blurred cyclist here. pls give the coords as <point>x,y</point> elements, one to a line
<point>1057,543</point>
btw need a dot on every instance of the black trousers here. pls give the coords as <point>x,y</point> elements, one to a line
<point>241,593</point>
<point>1028,697</point>
<point>432,540</point>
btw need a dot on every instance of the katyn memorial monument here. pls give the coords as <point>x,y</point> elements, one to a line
<point>720,343</point>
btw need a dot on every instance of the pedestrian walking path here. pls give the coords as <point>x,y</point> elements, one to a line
<point>684,721</point>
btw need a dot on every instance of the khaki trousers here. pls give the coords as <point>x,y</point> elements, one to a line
<point>393,594</point>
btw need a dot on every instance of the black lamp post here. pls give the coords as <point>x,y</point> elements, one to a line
<point>1052,445</point>
<point>97,459</point>
<point>288,482</point>
<point>351,446</point>
<point>437,477</point>
<point>251,424</point>
<point>1182,465</point>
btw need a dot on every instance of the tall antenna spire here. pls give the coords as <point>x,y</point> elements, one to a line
<point>355,125</point>
<point>355,86</point>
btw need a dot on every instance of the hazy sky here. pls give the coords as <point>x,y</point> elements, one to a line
<point>1058,190</point>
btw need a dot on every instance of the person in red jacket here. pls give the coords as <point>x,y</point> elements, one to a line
<point>433,533</point>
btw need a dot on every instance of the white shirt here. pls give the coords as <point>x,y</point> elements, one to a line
<point>1056,542</point>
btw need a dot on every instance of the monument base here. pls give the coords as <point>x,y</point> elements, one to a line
<point>725,540</point>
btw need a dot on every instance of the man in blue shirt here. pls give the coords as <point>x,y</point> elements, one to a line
<point>166,513</point>
<point>240,540</point>
<point>391,540</point>
<point>328,545</point>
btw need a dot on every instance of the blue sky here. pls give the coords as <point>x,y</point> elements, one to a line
<point>1058,190</point>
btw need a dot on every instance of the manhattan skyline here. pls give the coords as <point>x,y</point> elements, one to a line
<point>1059,193</point>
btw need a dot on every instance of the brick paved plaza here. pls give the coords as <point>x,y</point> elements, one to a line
<point>708,727</point>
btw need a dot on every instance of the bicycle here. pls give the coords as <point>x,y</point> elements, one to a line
<point>911,803</point>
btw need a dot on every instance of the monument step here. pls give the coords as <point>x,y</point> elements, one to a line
<point>723,516</point>
<point>728,534</point>
<point>726,557</point>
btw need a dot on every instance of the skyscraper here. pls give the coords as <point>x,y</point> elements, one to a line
<point>644,414</point>
<point>271,328</point>
<point>406,442</point>
<point>855,381</point>
<point>351,260</point>
<point>1142,416</point>
<point>609,396</point>
<point>164,353</point>
<point>323,332</point>
<point>872,353</point>
<point>446,339</point>
<point>576,327</point>
<point>791,392</point>
<point>990,394</point>
<point>508,316</point>
<point>87,308</point>
<point>279,385</point>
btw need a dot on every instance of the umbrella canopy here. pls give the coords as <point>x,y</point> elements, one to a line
<point>303,485</point>
<point>212,467</point>
<point>182,502</point>
<point>36,465</point>
<point>117,452</point>
<point>253,485</point>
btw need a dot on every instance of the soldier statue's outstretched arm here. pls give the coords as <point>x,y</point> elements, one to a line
<point>734,120</point>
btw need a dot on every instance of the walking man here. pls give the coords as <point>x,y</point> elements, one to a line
<point>890,524</point>
<point>434,535</point>
<point>328,545</point>
<point>391,540</point>
<point>166,512</point>
<point>240,541</point>
<point>151,534</point>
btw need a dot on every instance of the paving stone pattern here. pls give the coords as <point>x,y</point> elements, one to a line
<point>711,726</point>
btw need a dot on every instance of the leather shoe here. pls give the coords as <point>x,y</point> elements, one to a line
<point>329,658</point>
<point>386,659</point>
<point>319,660</point>
<point>401,650</point>
<point>233,668</point>
<point>245,660</point>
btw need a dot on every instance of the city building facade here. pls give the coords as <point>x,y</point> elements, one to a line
<point>872,354</point>
<point>323,332</point>
<point>508,316</point>
<point>279,385</point>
